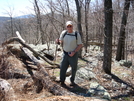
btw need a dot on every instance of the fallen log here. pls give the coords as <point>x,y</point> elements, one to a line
<point>27,46</point>
<point>42,78</point>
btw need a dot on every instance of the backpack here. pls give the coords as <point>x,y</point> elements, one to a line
<point>70,34</point>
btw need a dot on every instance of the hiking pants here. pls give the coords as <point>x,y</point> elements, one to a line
<point>65,62</point>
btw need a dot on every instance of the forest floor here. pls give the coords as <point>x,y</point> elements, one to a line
<point>122,77</point>
<point>120,85</point>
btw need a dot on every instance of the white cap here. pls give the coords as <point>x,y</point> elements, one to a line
<point>69,23</point>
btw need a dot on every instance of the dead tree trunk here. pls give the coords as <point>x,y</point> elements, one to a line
<point>121,44</point>
<point>39,22</point>
<point>42,78</point>
<point>27,46</point>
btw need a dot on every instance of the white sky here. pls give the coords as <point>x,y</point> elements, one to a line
<point>18,7</point>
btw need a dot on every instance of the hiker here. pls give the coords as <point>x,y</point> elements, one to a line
<point>71,43</point>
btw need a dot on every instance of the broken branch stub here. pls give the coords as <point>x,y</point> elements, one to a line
<point>27,46</point>
<point>42,78</point>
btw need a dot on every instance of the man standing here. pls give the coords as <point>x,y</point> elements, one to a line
<point>71,42</point>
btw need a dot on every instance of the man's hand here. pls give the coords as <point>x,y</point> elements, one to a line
<point>57,41</point>
<point>76,50</point>
<point>71,53</point>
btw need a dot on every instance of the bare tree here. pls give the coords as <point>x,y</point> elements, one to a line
<point>78,6</point>
<point>87,2</point>
<point>10,13</point>
<point>132,2</point>
<point>39,22</point>
<point>108,36</point>
<point>68,10</point>
<point>121,44</point>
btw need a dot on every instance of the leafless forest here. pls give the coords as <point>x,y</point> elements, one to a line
<point>89,17</point>
<point>49,19</point>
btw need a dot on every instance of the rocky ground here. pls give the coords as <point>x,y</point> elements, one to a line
<point>92,82</point>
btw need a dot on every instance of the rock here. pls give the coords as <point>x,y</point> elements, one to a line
<point>106,76</point>
<point>68,79</point>
<point>85,73</point>
<point>114,84</point>
<point>99,56</point>
<point>79,80</point>
<point>132,67</point>
<point>124,86</point>
<point>6,91</point>
<point>69,70</point>
<point>93,63</point>
<point>98,90</point>
<point>125,74</point>
<point>125,63</point>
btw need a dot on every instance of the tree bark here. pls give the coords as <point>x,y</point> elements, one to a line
<point>42,78</point>
<point>132,3</point>
<point>108,36</point>
<point>121,44</point>
<point>87,2</point>
<point>27,46</point>
<point>78,7</point>
<point>68,10</point>
<point>39,22</point>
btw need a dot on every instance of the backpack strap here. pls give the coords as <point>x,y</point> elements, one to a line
<point>70,34</point>
<point>64,34</point>
<point>76,34</point>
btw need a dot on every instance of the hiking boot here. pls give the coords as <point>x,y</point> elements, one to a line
<point>73,84</point>
<point>62,84</point>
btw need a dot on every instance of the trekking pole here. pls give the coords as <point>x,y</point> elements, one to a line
<point>56,48</point>
<point>57,43</point>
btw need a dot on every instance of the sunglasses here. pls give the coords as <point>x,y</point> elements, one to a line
<point>69,26</point>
